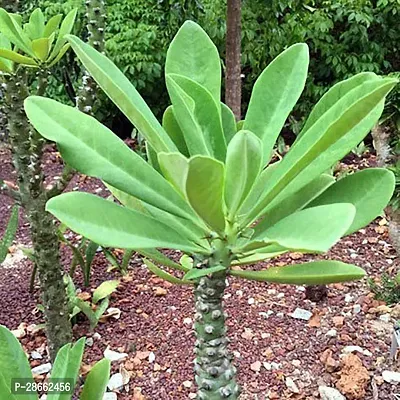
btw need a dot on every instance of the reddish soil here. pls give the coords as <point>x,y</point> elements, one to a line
<point>267,349</point>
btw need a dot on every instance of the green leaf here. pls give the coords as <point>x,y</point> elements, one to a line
<point>102,154</point>
<point>35,28</point>
<point>314,229</point>
<point>14,33</point>
<point>243,166</point>
<point>206,113</point>
<point>171,126</point>
<point>5,64</point>
<point>327,141</point>
<point>9,234</point>
<point>60,55</point>
<point>228,122</point>
<point>65,29</point>
<point>160,258</point>
<point>104,290</point>
<point>16,57</point>
<point>52,25</point>
<point>5,390</point>
<point>196,273</point>
<point>193,55</point>
<point>174,167</point>
<point>257,257</point>
<point>41,48</point>
<point>13,361</point>
<point>67,365</point>
<point>111,225</point>
<point>205,188</point>
<point>100,310</point>
<point>369,191</point>
<point>86,308</point>
<point>311,273</point>
<point>164,275</point>
<point>274,95</point>
<point>96,381</point>
<point>123,94</point>
<point>295,202</point>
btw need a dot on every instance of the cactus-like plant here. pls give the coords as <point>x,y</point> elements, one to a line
<point>213,191</point>
<point>27,52</point>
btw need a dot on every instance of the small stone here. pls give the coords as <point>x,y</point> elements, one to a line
<point>188,321</point>
<point>187,384</point>
<point>96,336</point>
<point>247,334</point>
<point>192,395</point>
<point>116,382</point>
<point>331,333</point>
<point>391,377</point>
<point>265,335</point>
<point>356,309</point>
<point>356,349</point>
<point>42,369</point>
<point>338,321</point>
<point>348,298</point>
<point>296,363</point>
<point>267,366</point>
<point>152,357</point>
<point>385,317</point>
<point>256,366</point>
<point>89,342</point>
<point>35,355</point>
<point>251,301</point>
<point>114,355</point>
<point>291,385</point>
<point>328,393</point>
<point>159,291</point>
<point>267,314</point>
<point>280,295</point>
<point>300,313</point>
<point>110,396</point>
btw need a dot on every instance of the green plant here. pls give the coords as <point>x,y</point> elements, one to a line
<point>210,191</point>
<point>388,289</point>
<point>100,301</point>
<point>27,51</point>
<point>9,234</point>
<point>14,365</point>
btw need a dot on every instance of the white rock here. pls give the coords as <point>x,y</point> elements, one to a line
<point>348,298</point>
<point>266,314</point>
<point>239,293</point>
<point>300,289</point>
<point>331,333</point>
<point>187,384</point>
<point>291,385</point>
<point>42,369</point>
<point>13,259</point>
<point>114,355</point>
<point>280,314</point>
<point>251,301</point>
<point>356,309</point>
<point>358,349</point>
<point>116,382</point>
<point>89,342</point>
<point>353,255</point>
<point>385,317</point>
<point>328,393</point>
<point>188,321</point>
<point>391,377</point>
<point>152,357</point>
<point>110,396</point>
<point>192,395</point>
<point>280,295</point>
<point>300,313</point>
<point>96,336</point>
<point>271,291</point>
<point>35,355</point>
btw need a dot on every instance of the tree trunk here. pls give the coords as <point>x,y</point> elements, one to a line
<point>233,81</point>
<point>27,146</point>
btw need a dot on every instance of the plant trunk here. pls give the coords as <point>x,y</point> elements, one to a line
<point>381,136</point>
<point>233,81</point>
<point>27,146</point>
<point>215,373</point>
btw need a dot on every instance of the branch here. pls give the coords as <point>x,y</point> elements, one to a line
<point>7,189</point>
<point>59,186</point>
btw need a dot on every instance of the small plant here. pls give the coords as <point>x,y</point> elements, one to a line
<point>100,301</point>
<point>14,366</point>
<point>387,290</point>
<point>211,191</point>
<point>9,234</point>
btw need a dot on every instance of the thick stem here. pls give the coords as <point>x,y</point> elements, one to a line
<point>215,373</point>
<point>381,136</point>
<point>27,148</point>
<point>233,83</point>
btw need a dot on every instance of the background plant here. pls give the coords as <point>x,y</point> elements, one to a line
<point>215,181</point>
<point>9,234</point>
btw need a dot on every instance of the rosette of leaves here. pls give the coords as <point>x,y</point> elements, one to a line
<point>211,190</point>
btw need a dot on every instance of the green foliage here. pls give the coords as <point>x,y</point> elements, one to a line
<point>9,234</point>
<point>387,290</point>
<point>189,201</point>
<point>14,364</point>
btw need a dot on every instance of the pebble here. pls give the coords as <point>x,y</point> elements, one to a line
<point>96,335</point>
<point>188,321</point>
<point>348,298</point>
<point>391,377</point>
<point>356,309</point>
<point>116,382</point>
<point>358,349</point>
<point>266,314</point>
<point>331,333</point>
<point>251,301</point>
<point>89,342</point>
<point>110,396</point>
<point>328,393</point>
<point>300,313</point>
<point>187,384</point>
<point>291,385</point>
<point>42,369</point>
<point>152,357</point>
<point>114,355</point>
<point>385,317</point>
<point>35,355</point>
<point>280,295</point>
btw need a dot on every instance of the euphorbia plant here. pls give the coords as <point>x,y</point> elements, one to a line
<point>212,191</point>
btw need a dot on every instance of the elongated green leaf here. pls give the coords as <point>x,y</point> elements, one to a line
<point>312,273</point>
<point>18,58</point>
<point>111,225</point>
<point>333,95</point>
<point>196,273</point>
<point>171,126</point>
<point>296,202</point>
<point>228,122</point>
<point>13,361</point>
<point>41,48</point>
<point>328,140</point>
<point>243,166</point>
<point>66,366</point>
<point>60,55</point>
<point>194,55</point>
<point>174,167</point>
<point>52,25</point>
<point>160,258</point>
<point>314,229</point>
<point>65,29</point>
<point>5,64</point>
<point>257,257</point>
<point>123,94</point>
<point>102,154</point>
<point>184,110</point>
<point>9,234</point>
<point>97,380</point>
<point>14,33</point>
<point>165,275</point>
<point>205,188</point>
<point>105,289</point>
<point>6,391</point>
<point>274,95</point>
<point>369,191</point>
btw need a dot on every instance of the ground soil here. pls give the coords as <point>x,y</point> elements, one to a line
<point>271,349</point>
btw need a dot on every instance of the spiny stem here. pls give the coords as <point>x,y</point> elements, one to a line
<point>59,186</point>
